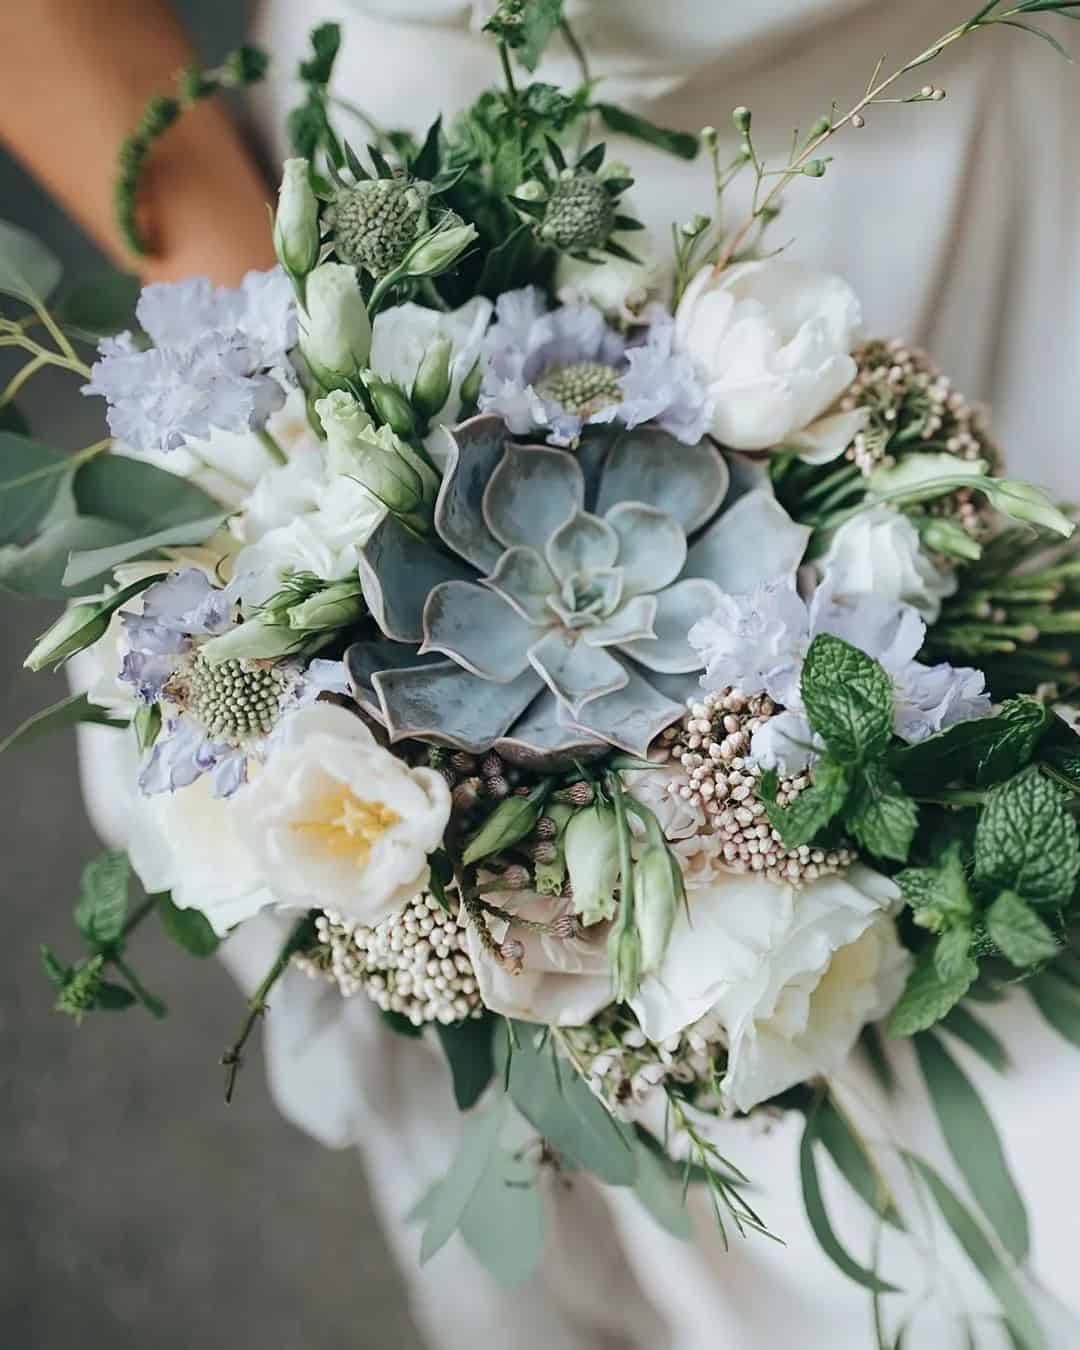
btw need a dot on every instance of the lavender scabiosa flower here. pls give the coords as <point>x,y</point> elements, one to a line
<point>216,716</point>
<point>757,643</point>
<point>209,366</point>
<point>564,369</point>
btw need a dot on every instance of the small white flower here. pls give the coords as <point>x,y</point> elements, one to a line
<point>878,552</point>
<point>619,288</point>
<point>336,821</point>
<point>772,342</point>
<point>791,976</point>
<point>335,330</point>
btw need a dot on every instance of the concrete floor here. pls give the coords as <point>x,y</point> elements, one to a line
<point>138,1209</point>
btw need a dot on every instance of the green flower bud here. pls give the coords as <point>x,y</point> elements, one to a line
<point>391,405</point>
<point>624,955</point>
<point>920,477</point>
<point>819,128</point>
<point>296,223</point>
<point>259,639</point>
<point>390,470</point>
<point>437,251</point>
<point>335,330</point>
<point>940,535</point>
<point>470,386</point>
<point>81,626</point>
<point>1026,502</point>
<point>741,117</point>
<point>658,892</point>
<point>550,875</point>
<point>814,168</point>
<point>375,223</point>
<point>508,824</point>
<point>337,606</point>
<point>431,388</point>
<point>592,859</point>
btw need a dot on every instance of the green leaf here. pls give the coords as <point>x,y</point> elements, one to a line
<point>447,1203</point>
<point>69,711</point>
<point>848,699</point>
<point>556,1101</point>
<point>27,267</point>
<point>1018,931</point>
<point>684,144</point>
<point>100,306</point>
<point>139,495</point>
<point>30,475</point>
<point>1026,840</point>
<point>883,818</point>
<point>1001,1280</point>
<point>55,971</point>
<point>470,1048</point>
<point>529,30</point>
<point>509,263</point>
<point>819,1219</point>
<point>188,928</point>
<point>927,997</point>
<point>510,822</point>
<point>110,997</point>
<point>101,908</point>
<point>38,567</point>
<point>814,806</point>
<point>12,419</point>
<point>974,1144</point>
<point>661,1194</point>
<point>938,895</point>
<point>503,1222</point>
<point>852,1157</point>
<point>84,565</point>
<point>966,1027</point>
<point>951,955</point>
<point>986,749</point>
<point>325,42</point>
<point>1059,1002</point>
<point>1023,722</point>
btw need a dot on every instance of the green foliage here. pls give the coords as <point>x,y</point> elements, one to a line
<point>445,1205</point>
<point>1058,999</point>
<point>103,898</point>
<point>938,895</point>
<point>27,267</point>
<point>470,1049</point>
<point>853,1158</point>
<point>966,1027</point>
<point>1018,932</point>
<point>76,708</point>
<point>526,27</point>
<point>1026,840</point>
<point>683,144</point>
<point>974,1144</point>
<point>983,750</point>
<point>928,995</point>
<point>188,928</point>
<point>814,807</point>
<point>100,306</point>
<point>509,823</point>
<point>883,818</point>
<point>848,699</point>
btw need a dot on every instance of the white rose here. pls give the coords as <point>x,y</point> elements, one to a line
<point>403,333</point>
<point>791,975</point>
<point>878,552</point>
<point>336,821</point>
<point>563,982</point>
<point>772,343</point>
<point>619,288</point>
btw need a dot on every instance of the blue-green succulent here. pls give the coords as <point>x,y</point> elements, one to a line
<point>548,616</point>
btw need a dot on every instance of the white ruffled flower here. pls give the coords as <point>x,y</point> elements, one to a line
<point>336,821</point>
<point>878,552</point>
<point>621,289</point>
<point>791,976</point>
<point>563,982</point>
<point>772,342</point>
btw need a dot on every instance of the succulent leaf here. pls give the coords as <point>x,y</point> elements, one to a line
<point>678,608</point>
<point>533,491</point>
<point>574,671</point>
<point>451,706</point>
<point>398,571</point>
<point>755,541</point>
<point>652,546</point>
<point>689,482</point>
<point>473,452</point>
<point>478,630</point>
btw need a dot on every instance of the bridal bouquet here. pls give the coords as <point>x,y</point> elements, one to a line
<point>613,663</point>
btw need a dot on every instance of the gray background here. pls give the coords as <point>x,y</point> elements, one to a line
<point>138,1210</point>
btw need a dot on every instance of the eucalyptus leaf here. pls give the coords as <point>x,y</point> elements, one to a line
<point>27,267</point>
<point>503,1222</point>
<point>189,928</point>
<point>100,306</point>
<point>661,1194</point>
<point>447,1204</point>
<point>84,565</point>
<point>69,711</point>
<point>974,1144</point>
<point>853,1158</point>
<point>30,475</point>
<point>966,1027</point>
<point>39,567</point>
<point>1058,999</point>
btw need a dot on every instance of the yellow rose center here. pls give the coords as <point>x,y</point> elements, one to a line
<point>346,825</point>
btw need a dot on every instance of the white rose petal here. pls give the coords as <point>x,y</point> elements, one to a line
<point>772,342</point>
<point>878,552</point>
<point>791,975</point>
<point>336,821</point>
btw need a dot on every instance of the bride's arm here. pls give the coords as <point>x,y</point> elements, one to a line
<point>75,76</point>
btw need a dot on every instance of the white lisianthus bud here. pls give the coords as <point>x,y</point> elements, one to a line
<point>336,606</point>
<point>592,859</point>
<point>658,892</point>
<point>378,459</point>
<point>76,628</point>
<point>1025,501</point>
<point>259,639</point>
<point>296,222</point>
<point>437,251</point>
<point>431,388</point>
<point>624,954</point>
<point>941,535</point>
<point>335,330</point>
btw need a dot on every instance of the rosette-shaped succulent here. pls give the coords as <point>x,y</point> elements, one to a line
<point>549,618</point>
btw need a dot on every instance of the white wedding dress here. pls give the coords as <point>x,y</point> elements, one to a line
<point>959,226</point>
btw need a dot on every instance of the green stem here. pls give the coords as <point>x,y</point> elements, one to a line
<point>150,1002</point>
<point>270,444</point>
<point>301,937</point>
<point>622,827</point>
<point>508,74</point>
<point>955,797</point>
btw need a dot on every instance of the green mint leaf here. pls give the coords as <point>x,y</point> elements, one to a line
<point>1022,722</point>
<point>938,895</point>
<point>927,997</point>
<point>1019,932</point>
<point>526,27</point>
<point>188,928</point>
<point>1026,841</point>
<point>325,41</point>
<point>814,806</point>
<point>684,144</point>
<point>103,898</point>
<point>883,817</point>
<point>952,959</point>
<point>848,699</point>
<point>986,749</point>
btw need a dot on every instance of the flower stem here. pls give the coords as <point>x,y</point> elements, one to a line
<point>300,937</point>
<point>508,74</point>
<point>270,444</point>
